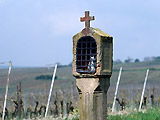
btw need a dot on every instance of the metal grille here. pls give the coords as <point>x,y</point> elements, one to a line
<point>86,55</point>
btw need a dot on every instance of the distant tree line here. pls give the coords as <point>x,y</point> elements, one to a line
<point>131,60</point>
<point>128,60</point>
<point>45,77</point>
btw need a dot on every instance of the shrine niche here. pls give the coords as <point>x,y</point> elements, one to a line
<point>86,55</point>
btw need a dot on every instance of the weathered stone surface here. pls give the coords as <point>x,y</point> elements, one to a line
<point>93,98</point>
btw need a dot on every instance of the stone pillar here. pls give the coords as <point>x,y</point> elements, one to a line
<point>93,98</point>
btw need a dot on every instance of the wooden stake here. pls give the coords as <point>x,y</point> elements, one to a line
<point>149,95</point>
<point>72,90</point>
<point>120,71</point>
<point>19,106</point>
<point>57,106</point>
<point>144,86</point>
<point>45,92</point>
<point>62,111</point>
<point>18,101</point>
<point>51,90</point>
<point>5,100</point>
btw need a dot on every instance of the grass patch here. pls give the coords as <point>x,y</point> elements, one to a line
<point>150,114</point>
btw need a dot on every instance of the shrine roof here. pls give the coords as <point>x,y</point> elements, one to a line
<point>92,31</point>
<point>100,32</point>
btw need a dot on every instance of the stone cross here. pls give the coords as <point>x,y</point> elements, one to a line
<point>87,19</point>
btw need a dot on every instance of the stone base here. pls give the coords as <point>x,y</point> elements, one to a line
<point>93,98</point>
<point>98,109</point>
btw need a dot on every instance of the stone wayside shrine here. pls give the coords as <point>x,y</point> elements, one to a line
<point>92,68</point>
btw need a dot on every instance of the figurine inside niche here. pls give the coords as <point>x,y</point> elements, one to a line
<point>92,65</point>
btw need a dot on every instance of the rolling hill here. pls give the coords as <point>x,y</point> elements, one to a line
<point>133,74</point>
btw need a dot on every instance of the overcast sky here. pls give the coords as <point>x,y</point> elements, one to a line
<point>39,32</point>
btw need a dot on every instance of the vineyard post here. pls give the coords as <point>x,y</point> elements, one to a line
<point>51,90</point>
<point>24,104</point>
<point>154,93</point>
<point>63,103</point>
<point>57,104</point>
<point>119,77</point>
<point>19,101</point>
<point>144,86</point>
<point>149,95</point>
<point>5,100</point>
<point>45,92</point>
<point>67,109</point>
<point>72,90</point>
<point>132,97</point>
